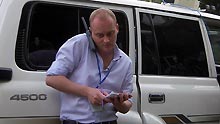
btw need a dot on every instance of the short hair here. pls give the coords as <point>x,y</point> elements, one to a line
<point>102,13</point>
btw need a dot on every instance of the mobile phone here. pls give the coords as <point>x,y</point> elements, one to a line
<point>88,34</point>
<point>112,94</point>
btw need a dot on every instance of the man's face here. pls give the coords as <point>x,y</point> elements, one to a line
<point>104,33</point>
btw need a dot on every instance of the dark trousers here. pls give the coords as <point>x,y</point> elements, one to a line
<point>75,122</point>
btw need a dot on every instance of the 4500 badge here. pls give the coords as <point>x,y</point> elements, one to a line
<point>26,97</point>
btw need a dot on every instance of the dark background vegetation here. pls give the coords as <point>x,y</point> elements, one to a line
<point>212,5</point>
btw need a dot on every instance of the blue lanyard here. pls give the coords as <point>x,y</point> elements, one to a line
<point>100,76</point>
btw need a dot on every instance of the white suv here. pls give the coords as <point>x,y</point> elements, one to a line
<point>175,53</point>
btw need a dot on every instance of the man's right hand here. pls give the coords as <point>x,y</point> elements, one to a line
<point>95,96</point>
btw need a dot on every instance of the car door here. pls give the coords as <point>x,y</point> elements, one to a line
<point>30,41</point>
<point>177,75</point>
<point>213,30</point>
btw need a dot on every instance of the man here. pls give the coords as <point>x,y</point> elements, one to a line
<point>86,77</point>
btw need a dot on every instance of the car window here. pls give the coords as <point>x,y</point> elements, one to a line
<point>44,27</point>
<point>213,28</point>
<point>172,46</point>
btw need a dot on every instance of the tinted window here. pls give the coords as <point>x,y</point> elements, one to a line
<point>44,27</point>
<point>213,27</point>
<point>172,46</point>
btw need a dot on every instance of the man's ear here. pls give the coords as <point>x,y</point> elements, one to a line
<point>117,27</point>
<point>90,30</point>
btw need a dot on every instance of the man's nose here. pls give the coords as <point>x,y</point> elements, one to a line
<point>106,39</point>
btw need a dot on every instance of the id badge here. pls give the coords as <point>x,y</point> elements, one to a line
<point>96,108</point>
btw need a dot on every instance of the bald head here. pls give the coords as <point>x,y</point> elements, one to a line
<point>102,14</point>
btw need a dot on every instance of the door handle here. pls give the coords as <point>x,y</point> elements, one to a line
<point>5,74</point>
<point>156,98</point>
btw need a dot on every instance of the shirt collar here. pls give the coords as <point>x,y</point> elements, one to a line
<point>117,53</point>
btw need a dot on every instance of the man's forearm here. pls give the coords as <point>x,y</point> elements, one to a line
<point>63,84</point>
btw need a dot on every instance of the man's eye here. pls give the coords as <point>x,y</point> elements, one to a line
<point>99,35</point>
<point>110,33</point>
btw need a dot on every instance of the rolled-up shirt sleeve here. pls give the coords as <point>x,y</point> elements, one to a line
<point>127,83</point>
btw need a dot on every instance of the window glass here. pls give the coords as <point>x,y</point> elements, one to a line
<point>172,46</point>
<point>44,27</point>
<point>213,28</point>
